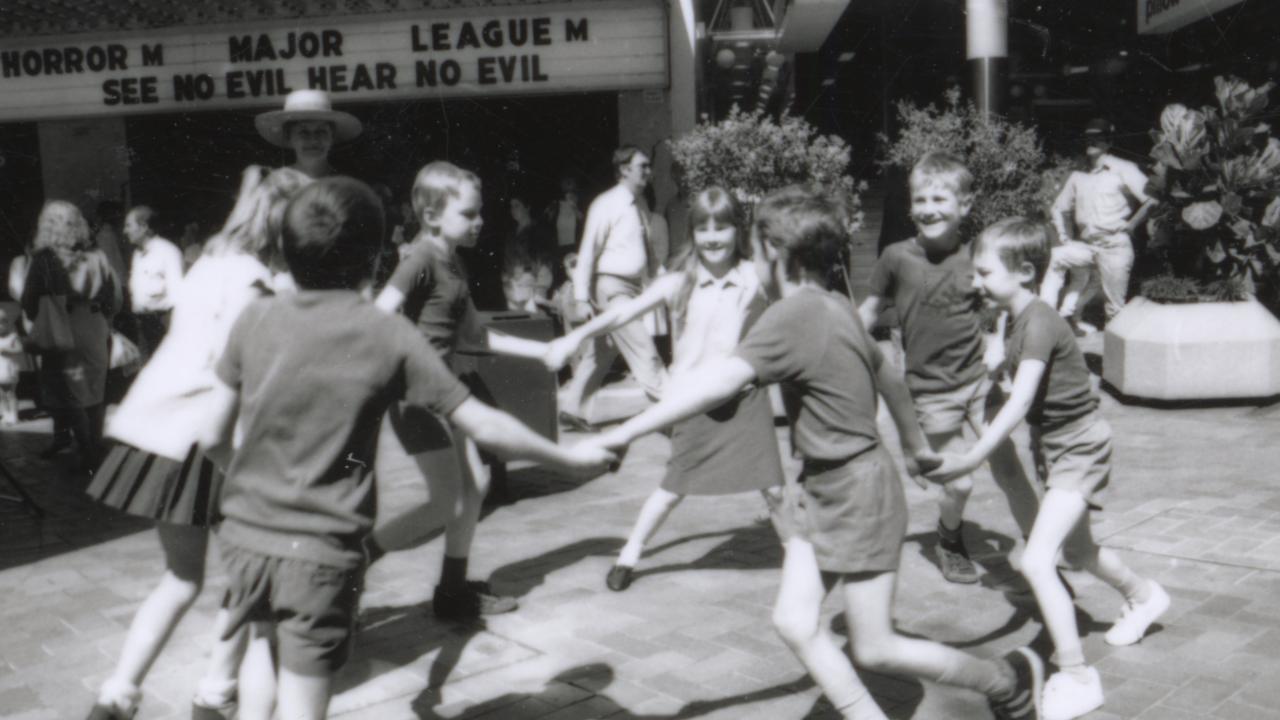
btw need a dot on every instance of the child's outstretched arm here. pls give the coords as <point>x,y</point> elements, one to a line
<point>869,311</point>
<point>1025,383</point>
<point>215,436</point>
<point>559,351</point>
<point>897,400</point>
<point>502,434</point>
<point>700,389</point>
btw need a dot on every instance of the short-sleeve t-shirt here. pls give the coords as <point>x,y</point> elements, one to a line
<point>1065,393</point>
<point>814,345</point>
<point>940,313</point>
<point>315,373</point>
<point>437,297</point>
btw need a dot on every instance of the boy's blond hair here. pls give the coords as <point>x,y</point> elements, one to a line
<point>946,169</point>
<point>438,181</point>
<point>1018,240</point>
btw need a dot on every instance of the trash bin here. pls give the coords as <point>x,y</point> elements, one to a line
<point>520,386</point>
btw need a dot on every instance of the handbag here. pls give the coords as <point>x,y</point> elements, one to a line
<point>51,330</point>
<point>125,356</point>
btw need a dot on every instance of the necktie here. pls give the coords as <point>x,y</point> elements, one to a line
<point>643,214</point>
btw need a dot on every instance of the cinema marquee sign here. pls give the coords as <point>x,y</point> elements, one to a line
<point>1162,16</point>
<point>458,52</point>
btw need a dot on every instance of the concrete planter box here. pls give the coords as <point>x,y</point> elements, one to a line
<point>1199,351</point>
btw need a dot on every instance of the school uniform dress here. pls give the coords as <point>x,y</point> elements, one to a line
<point>155,470</point>
<point>732,448</point>
<point>855,511</point>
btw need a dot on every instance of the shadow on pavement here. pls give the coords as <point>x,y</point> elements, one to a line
<point>585,690</point>
<point>750,547</point>
<point>521,577</point>
<point>70,520</point>
<point>400,636</point>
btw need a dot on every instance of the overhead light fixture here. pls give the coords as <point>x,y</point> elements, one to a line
<point>845,57</point>
<point>828,82</point>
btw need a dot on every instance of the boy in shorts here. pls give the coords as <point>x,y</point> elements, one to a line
<point>1051,389</point>
<point>929,279</point>
<point>311,376</point>
<point>845,520</point>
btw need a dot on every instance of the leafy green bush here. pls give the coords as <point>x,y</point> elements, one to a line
<point>1005,158</point>
<point>1218,182</point>
<point>751,155</point>
<point>1170,290</point>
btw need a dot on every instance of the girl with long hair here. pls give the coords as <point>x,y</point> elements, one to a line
<point>714,293</point>
<point>156,470</point>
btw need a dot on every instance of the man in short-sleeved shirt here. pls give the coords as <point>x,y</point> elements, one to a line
<point>939,311</point>
<point>1099,203</point>
<point>312,397</point>
<point>813,345</point>
<point>1065,392</point>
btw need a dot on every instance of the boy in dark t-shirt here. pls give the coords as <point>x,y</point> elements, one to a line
<point>845,518</point>
<point>929,279</point>
<point>431,289</point>
<point>1051,389</point>
<point>311,376</point>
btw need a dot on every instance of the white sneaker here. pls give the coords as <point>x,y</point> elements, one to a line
<point>1065,697</point>
<point>1135,618</point>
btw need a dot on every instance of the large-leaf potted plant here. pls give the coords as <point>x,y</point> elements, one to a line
<point>1197,331</point>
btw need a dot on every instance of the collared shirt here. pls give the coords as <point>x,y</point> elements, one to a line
<point>156,274</point>
<point>614,241</point>
<point>715,314</point>
<point>1098,198</point>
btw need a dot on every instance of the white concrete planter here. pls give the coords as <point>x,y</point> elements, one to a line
<point>1198,351</point>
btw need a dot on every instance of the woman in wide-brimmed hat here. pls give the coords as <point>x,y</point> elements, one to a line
<point>309,126</point>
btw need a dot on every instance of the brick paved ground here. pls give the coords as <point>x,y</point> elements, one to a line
<point>1195,505</point>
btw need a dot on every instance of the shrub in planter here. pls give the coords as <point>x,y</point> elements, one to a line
<point>1005,158</point>
<point>1218,182</point>
<point>752,154</point>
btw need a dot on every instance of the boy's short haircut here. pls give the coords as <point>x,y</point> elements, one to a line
<point>144,214</point>
<point>1018,240</point>
<point>438,181</point>
<point>332,236</point>
<point>944,168</point>
<point>810,227</point>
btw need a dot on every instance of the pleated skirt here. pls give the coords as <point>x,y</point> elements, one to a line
<point>147,485</point>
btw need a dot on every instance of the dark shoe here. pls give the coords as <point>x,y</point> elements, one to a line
<point>619,577</point>
<point>575,423</point>
<point>1024,703</point>
<point>207,712</point>
<point>107,712</point>
<point>470,602</point>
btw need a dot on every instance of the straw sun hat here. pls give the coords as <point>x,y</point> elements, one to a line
<point>302,105</point>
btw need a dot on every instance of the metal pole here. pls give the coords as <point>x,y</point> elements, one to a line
<point>987,49</point>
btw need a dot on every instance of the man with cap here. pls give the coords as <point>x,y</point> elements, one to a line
<point>1099,201</point>
<point>309,126</point>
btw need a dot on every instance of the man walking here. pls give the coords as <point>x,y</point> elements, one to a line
<point>615,260</point>
<point>153,278</point>
<point>1100,203</point>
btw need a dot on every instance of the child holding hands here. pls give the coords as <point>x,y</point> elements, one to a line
<point>312,375</point>
<point>1052,391</point>
<point>847,512</point>
<point>929,279</point>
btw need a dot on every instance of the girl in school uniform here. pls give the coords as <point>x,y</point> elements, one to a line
<point>155,469</point>
<point>714,295</point>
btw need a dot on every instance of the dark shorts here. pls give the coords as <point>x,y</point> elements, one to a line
<point>312,607</point>
<point>856,513</point>
<point>1075,457</point>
